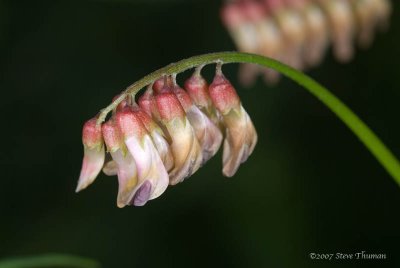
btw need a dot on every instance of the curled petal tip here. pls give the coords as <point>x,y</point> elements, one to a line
<point>93,161</point>
<point>142,195</point>
<point>110,168</point>
<point>94,154</point>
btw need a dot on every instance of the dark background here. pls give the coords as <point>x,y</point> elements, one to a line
<point>310,185</point>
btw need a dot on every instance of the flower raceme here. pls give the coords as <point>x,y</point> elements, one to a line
<point>166,136</point>
<point>298,32</point>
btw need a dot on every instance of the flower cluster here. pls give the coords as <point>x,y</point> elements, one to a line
<point>298,32</point>
<point>165,135</point>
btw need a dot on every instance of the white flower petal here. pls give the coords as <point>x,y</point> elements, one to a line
<point>127,177</point>
<point>110,168</point>
<point>185,149</point>
<point>149,165</point>
<point>207,133</point>
<point>163,149</point>
<point>240,140</point>
<point>93,161</point>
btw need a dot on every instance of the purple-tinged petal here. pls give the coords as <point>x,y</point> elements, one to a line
<point>148,162</point>
<point>124,162</point>
<point>142,195</point>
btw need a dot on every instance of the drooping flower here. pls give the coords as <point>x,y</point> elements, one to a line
<point>317,39</point>
<point>94,154</point>
<point>158,138</point>
<point>184,146</point>
<point>152,175</point>
<point>123,162</point>
<point>207,133</point>
<point>197,88</point>
<point>343,27</point>
<point>244,33</point>
<point>370,15</point>
<point>298,32</point>
<point>293,30</point>
<point>240,134</point>
<point>166,135</point>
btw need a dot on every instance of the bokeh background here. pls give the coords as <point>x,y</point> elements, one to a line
<point>310,185</point>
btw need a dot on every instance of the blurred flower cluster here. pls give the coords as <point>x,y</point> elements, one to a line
<point>298,32</point>
<point>165,135</point>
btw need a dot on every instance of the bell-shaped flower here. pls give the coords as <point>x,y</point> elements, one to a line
<point>240,134</point>
<point>122,161</point>
<point>151,173</point>
<point>94,154</point>
<point>184,146</point>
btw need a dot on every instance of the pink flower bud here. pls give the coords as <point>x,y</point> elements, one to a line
<point>145,101</point>
<point>129,124</point>
<point>94,154</point>
<point>124,103</point>
<point>223,95</point>
<point>197,88</point>
<point>168,107</point>
<point>232,15</point>
<point>274,5</point>
<point>162,84</point>
<point>240,134</point>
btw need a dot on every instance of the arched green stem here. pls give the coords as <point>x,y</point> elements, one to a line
<point>359,128</point>
<point>49,260</point>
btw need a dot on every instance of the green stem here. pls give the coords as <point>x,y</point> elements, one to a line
<point>359,128</point>
<point>49,260</point>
